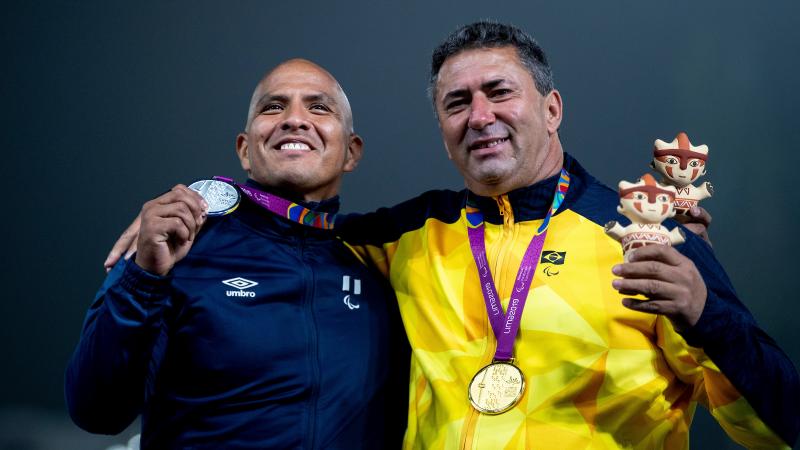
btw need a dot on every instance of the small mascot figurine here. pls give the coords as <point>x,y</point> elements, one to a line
<point>646,203</point>
<point>681,163</point>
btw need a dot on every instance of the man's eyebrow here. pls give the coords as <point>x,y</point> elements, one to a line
<point>309,98</point>
<point>319,97</point>
<point>460,93</point>
<point>492,83</point>
<point>456,93</point>
<point>268,98</point>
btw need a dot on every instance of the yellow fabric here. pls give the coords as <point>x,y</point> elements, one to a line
<point>596,375</point>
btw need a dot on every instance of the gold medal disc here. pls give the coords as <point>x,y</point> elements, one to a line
<point>496,388</point>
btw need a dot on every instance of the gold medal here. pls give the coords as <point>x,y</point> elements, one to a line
<point>496,388</point>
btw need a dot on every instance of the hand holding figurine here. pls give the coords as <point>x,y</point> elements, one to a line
<point>670,282</point>
<point>697,220</point>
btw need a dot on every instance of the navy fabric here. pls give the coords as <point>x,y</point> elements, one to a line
<point>302,359</point>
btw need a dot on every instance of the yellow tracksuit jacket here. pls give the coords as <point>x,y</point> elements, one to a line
<point>598,375</point>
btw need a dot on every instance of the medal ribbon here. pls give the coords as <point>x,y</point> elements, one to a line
<point>506,325</point>
<point>285,208</point>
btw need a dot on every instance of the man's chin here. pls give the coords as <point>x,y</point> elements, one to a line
<point>491,172</point>
<point>487,183</point>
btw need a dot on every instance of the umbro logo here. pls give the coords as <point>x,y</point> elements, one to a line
<point>241,284</point>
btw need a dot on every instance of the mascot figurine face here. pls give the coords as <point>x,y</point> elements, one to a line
<point>679,161</point>
<point>646,201</point>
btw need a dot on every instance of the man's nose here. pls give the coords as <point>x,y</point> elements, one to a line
<point>481,113</point>
<point>295,118</point>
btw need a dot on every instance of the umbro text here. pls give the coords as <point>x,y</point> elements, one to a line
<point>240,293</point>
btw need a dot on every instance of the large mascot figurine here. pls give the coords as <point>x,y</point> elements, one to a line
<point>681,163</point>
<point>646,203</point>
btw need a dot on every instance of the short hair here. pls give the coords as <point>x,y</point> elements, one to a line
<point>489,34</point>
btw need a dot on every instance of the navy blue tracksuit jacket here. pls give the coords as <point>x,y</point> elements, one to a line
<point>269,334</point>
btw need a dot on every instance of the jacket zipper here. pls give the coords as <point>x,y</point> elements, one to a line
<point>313,346</point>
<point>506,242</point>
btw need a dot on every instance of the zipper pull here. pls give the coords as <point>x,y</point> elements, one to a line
<point>500,205</point>
<point>505,211</point>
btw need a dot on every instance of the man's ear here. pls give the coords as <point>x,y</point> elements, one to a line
<point>243,151</point>
<point>555,111</point>
<point>355,149</point>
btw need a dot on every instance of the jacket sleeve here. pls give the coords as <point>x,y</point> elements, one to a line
<point>105,378</point>
<point>375,236</point>
<point>739,373</point>
<point>372,237</point>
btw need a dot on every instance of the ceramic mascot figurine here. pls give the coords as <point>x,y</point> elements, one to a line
<point>646,203</point>
<point>681,163</point>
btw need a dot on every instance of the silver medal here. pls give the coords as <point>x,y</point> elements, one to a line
<point>222,197</point>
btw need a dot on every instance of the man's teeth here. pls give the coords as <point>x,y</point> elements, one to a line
<point>491,143</point>
<point>294,146</point>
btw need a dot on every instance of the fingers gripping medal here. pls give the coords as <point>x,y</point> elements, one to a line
<point>499,386</point>
<point>222,196</point>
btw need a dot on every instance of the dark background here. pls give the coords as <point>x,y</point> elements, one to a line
<point>107,103</point>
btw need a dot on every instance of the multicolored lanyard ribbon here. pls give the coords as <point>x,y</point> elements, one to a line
<point>505,325</point>
<point>283,207</point>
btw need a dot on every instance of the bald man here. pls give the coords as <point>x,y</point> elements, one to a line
<point>263,330</point>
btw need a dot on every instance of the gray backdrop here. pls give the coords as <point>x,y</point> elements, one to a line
<point>108,103</point>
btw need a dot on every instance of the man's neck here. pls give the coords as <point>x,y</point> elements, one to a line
<point>294,195</point>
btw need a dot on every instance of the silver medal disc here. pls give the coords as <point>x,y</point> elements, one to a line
<point>222,197</point>
<point>496,388</point>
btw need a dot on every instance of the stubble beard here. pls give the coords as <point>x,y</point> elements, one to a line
<point>491,172</point>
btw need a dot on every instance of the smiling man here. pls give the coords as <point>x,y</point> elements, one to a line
<point>513,348</point>
<point>259,331</point>
<point>490,144</point>
<point>305,153</point>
